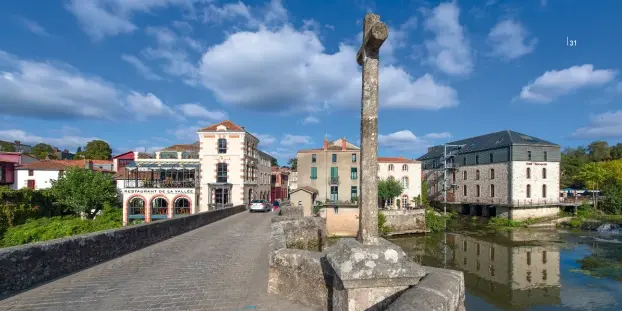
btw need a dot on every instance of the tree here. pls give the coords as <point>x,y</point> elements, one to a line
<point>293,164</point>
<point>41,151</point>
<point>616,151</point>
<point>424,199</point>
<point>97,150</point>
<point>593,175</point>
<point>274,162</point>
<point>6,146</point>
<point>599,151</point>
<point>614,171</point>
<point>84,192</point>
<point>389,188</point>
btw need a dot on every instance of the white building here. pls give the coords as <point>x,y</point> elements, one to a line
<point>39,175</point>
<point>408,173</point>
<point>293,181</point>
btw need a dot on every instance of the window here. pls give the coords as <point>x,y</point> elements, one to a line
<point>544,257</point>
<point>529,258</point>
<point>334,193</point>
<point>464,246</point>
<point>477,249</point>
<point>464,160</point>
<point>313,158</point>
<point>182,206</point>
<point>528,191</point>
<point>222,145</point>
<point>477,190</point>
<point>31,173</point>
<point>405,168</point>
<point>405,182</point>
<point>492,254</point>
<point>529,155</point>
<point>60,174</point>
<point>464,175</point>
<point>353,173</point>
<point>314,173</point>
<point>528,173</point>
<point>334,158</point>
<point>222,196</point>
<point>354,157</point>
<point>544,275</point>
<point>544,173</point>
<point>334,172</point>
<point>492,173</point>
<point>544,191</point>
<point>136,208</point>
<point>453,176</point>
<point>464,190</point>
<point>492,191</point>
<point>390,167</point>
<point>491,158</point>
<point>546,156</point>
<point>159,208</point>
<point>353,192</point>
<point>477,159</point>
<point>477,175</point>
<point>221,172</point>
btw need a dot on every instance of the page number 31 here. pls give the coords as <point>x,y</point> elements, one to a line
<point>570,42</point>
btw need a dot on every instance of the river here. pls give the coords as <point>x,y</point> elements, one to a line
<point>526,269</point>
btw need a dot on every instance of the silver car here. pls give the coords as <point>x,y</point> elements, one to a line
<point>259,205</point>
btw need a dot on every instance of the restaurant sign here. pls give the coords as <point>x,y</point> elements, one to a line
<point>158,191</point>
<point>536,163</point>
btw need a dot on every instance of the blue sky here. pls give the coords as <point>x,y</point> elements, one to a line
<point>147,74</point>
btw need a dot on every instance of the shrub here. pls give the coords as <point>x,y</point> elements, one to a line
<point>435,223</point>
<point>17,206</point>
<point>383,228</point>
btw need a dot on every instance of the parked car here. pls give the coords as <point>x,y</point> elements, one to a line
<point>259,205</point>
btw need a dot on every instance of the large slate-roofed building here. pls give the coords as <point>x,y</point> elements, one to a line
<point>506,174</point>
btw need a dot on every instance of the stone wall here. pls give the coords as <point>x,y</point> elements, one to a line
<point>440,289</point>
<point>405,221</point>
<point>24,266</point>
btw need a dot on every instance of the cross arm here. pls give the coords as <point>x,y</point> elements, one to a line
<point>372,40</point>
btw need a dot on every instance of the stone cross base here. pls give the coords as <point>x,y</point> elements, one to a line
<point>370,277</point>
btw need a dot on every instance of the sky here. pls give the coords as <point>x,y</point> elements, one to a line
<point>146,74</point>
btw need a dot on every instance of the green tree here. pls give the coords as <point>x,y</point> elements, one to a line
<point>389,188</point>
<point>612,203</point>
<point>6,146</point>
<point>293,163</point>
<point>616,151</point>
<point>599,151</point>
<point>83,191</point>
<point>274,162</point>
<point>97,150</point>
<point>41,151</point>
<point>593,175</point>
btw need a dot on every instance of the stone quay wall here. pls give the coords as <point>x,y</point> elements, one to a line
<point>25,266</point>
<point>405,221</point>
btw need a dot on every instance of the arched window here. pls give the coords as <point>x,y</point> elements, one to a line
<point>221,172</point>
<point>405,182</point>
<point>464,190</point>
<point>222,145</point>
<point>528,173</point>
<point>390,167</point>
<point>405,168</point>
<point>492,191</point>
<point>544,191</point>
<point>544,173</point>
<point>528,191</point>
<point>477,190</point>
<point>136,208</point>
<point>159,208</point>
<point>464,175</point>
<point>182,206</point>
<point>477,175</point>
<point>492,173</point>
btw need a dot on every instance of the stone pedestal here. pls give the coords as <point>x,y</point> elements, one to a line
<point>370,277</point>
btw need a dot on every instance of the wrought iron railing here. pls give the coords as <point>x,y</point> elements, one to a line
<point>146,155</point>
<point>334,180</point>
<point>156,183</point>
<point>168,155</point>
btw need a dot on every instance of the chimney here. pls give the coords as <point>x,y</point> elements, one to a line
<point>344,144</point>
<point>325,144</point>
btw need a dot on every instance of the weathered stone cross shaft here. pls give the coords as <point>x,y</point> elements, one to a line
<point>375,33</point>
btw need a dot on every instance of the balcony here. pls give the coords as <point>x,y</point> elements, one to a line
<point>167,155</point>
<point>158,183</point>
<point>451,166</point>
<point>334,180</point>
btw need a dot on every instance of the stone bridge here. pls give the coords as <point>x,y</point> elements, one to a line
<point>220,266</point>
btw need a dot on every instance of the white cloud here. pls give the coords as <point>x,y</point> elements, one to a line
<point>187,133</point>
<point>182,26</point>
<point>508,40</point>
<point>143,69</point>
<point>450,51</point>
<point>406,140</point>
<point>193,110</point>
<point>310,120</point>
<point>604,125</point>
<point>442,135</point>
<point>147,105</point>
<point>32,26</point>
<point>553,83</point>
<point>65,141</point>
<point>265,139</point>
<point>163,35</point>
<point>287,70</point>
<point>227,12</point>
<point>290,140</point>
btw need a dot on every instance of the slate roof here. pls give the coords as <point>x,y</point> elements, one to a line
<point>489,141</point>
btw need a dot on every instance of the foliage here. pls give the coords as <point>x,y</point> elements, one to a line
<point>42,229</point>
<point>497,222</point>
<point>383,228</point>
<point>434,222</point>
<point>593,175</point>
<point>85,191</point>
<point>17,206</point>
<point>612,203</point>
<point>614,170</point>
<point>293,164</point>
<point>97,150</point>
<point>274,162</point>
<point>6,146</point>
<point>42,151</point>
<point>389,188</point>
<point>574,158</point>
<point>425,192</point>
<point>317,207</point>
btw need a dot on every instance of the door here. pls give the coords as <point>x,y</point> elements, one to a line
<point>334,193</point>
<point>31,184</point>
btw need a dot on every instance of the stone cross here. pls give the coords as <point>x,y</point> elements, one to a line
<point>375,33</point>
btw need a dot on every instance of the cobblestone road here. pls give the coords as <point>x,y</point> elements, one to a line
<point>221,266</point>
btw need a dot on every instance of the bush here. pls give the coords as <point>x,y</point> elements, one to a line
<point>436,223</point>
<point>17,206</point>
<point>504,223</point>
<point>383,228</point>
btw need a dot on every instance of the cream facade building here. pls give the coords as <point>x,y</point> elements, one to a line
<point>408,173</point>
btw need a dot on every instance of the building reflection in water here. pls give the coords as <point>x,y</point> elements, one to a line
<point>512,271</point>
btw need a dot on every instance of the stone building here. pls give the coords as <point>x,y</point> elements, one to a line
<point>408,173</point>
<point>279,183</point>
<point>505,174</point>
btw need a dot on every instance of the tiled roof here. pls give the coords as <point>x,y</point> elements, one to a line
<point>489,141</point>
<point>399,159</point>
<point>122,154</point>
<point>227,123</point>
<point>47,165</point>
<point>333,146</point>
<point>306,188</point>
<point>183,147</point>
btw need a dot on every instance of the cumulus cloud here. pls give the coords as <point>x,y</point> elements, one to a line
<point>193,110</point>
<point>603,125</point>
<point>406,140</point>
<point>146,105</point>
<point>554,83</point>
<point>508,40</point>
<point>291,140</point>
<point>450,50</point>
<point>65,141</point>
<point>265,139</point>
<point>142,69</point>
<point>310,120</point>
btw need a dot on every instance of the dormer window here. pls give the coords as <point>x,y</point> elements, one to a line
<point>222,145</point>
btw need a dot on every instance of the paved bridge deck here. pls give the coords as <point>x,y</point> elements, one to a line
<point>221,266</point>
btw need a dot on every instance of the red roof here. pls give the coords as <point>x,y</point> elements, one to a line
<point>124,154</point>
<point>399,159</point>
<point>183,147</point>
<point>227,123</point>
<point>59,165</point>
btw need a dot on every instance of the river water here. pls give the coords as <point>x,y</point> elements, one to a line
<point>526,269</point>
